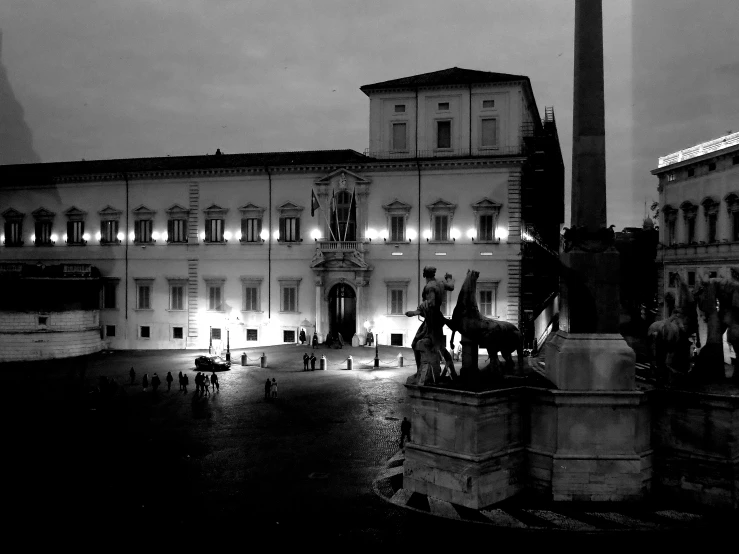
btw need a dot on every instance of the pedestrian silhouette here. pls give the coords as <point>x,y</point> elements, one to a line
<point>274,388</point>
<point>155,382</point>
<point>169,380</point>
<point>206,384</point>
<point>145,381</point>
<point>405,431</point>
<point>214,382</point>
<point>132,375</point>
<point>181,379</point>
<point>302,336</point>
<point>312,362</point>
<point>185,381</point>
<point>315,340</point>
<point>267,388</point>
<point>305,361</point>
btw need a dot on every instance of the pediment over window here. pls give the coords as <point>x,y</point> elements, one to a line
<point>288,209</point>
<point>176,210</point>
<point>710,204</point>
<point>486,206</point>
<point>396,207</point>
<point>13,214</point>
<point>109,213</point>
<point>42,214</point>
<point>251,211</point>
<point>732,201</point>
<point>670,213</point>
<point>75,214</point>
<point>441,206</point>
<point>342,179</point>
<point>214,211</point>
<point>142,212</point>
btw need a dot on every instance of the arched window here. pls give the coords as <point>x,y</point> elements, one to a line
<point>344,217</point>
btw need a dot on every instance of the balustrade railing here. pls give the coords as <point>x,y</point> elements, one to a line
<point>339,246</point>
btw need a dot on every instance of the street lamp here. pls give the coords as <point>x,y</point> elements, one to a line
<point>228,344</point>
<point>210,343</point>
<point>377,343</point>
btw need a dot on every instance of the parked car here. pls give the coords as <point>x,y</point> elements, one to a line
<point>211,363</point>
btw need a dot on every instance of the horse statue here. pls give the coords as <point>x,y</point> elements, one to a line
<point>492,334</point>
<point>669,339</point>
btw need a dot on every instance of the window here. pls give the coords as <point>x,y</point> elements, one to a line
<point>289,299</point>
<point>396,339</point>
<point>399,108</point>
<point>671,232</point>
<point>288,336</point>
<point>143,296</point>
<point>671,177</point>
<point>142,230</point>
<point>251,229</point>
<point>712,166</point>
<point>145,332</point>
<point>110,330</point>
<point>251,299</point>
<point>177,230</point>
<point>672,279</point>
<point>215,297</point>
<point>344,218</point>
<point>710,209</point>
<point>670,215</point>
<point>712,274</point>
<point>441,228</point>
<point>691,230</point>
<point>110,292</point>
<point>489,133</point>
<point>43,233</point>
<point>735,160</point>
<point>443,106</point>
<point>178,333</point>
<point>214,230</point>
<point>13,233</point>
<point>486,229</point>
<point>712,220</point>
<point>252,335</point>
<point>487,301</point>
<point>396,302</point>
<point>399,137</point>
<point>397,214</point>
<point>215,333</point>
<point>691,278</point>
<point>691,172</point>
<point>177,296</point>
<point>487,296</point>
<point>443,134</point>
<point>397,228</point>
<point>488,104</point>
<point>75,232</point>
<point>735,224</point>
<point>397,293</point>
<point>289,229</point>
<point>109,231</point>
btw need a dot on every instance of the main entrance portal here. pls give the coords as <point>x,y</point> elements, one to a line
<point>342,309</point>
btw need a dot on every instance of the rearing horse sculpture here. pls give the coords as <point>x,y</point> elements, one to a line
<point>493,335</point>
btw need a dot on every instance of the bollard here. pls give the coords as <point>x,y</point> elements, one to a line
<point>349,363</point>
<point>323,363</point>
<point>243,358</point>
<point>400,360</point>
<point>263,360</point>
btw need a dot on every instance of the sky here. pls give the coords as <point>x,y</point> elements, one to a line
<point>138,78</point>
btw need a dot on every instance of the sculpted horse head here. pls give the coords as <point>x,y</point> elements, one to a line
<point>466,301</point>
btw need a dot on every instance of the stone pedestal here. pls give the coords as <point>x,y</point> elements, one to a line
<point>468,448</point>
<point>696,441</point>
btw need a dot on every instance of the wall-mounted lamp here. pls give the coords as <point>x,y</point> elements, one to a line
<point>471,234</point>
<point>264,235</point>
<point>454,233</point>
<point>427,234</point>
<point>165,236</point>
<point>154,236</point>
<point>226,235</point>
<point>412,235</point>
<point>276,235</point>
<point>120,237</point>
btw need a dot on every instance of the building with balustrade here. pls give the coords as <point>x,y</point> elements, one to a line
<point>461,173</point>
<point>699,199</point>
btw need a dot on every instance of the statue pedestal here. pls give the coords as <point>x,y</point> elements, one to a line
<point>468,448</point>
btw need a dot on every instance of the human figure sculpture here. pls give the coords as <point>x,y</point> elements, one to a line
<point>428,344</point>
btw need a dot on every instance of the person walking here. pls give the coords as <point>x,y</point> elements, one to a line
<point>145,381</point>
<point>132,375</point>
<point>169,380</point>
<point>155,382</point>
<point>305,361</point>
<point>214,382</point>
<point>181,380</point>
<point>199,383</point>
<point>312,362</point>
<point>315,340</point>
<point>405,431</point>
<point>302,336</point>
<point>274,388</point>
<point>206,384</point>
<point>185,382</point>
<point>267,389</point>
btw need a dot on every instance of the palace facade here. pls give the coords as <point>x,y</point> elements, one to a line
<point>461,173</point>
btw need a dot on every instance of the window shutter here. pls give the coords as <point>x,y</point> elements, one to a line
<point>297,229</point>
<point>70,231</point>
<point>170,230</point>
<point>282,229</point>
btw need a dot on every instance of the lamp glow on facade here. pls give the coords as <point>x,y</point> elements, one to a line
<point>276,235</point>
<point>412,235</point>
<point>53,237</point>
<point>98,236</point>
<point>165,236</point>
<point>64,236</point>
<point>121,236</point>
<point>371,233</point>
<point>385,234</point>
<point>427,234</point>
<point>315,234</point>
<point>131,236</point>
<point>227,235</point>
<point>264,235</point>
<point>155,235</point>
<point>33,238</point>
<point>202,235</point>
<point>454,233</point>
<point>471,233</point>
<point>86,237</point>
<point>501,233</point>
<point>239,235</point>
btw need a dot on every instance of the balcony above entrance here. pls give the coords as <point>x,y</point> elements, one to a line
<point>334,254</point>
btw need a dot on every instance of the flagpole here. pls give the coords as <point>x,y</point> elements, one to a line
<point>349,215</point>
<point>336,212</point>
<point>313,195</point>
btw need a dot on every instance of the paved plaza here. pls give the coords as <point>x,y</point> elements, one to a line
<point>306,468</point>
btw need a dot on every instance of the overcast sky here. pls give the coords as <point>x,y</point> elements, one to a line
<point>116,79</point>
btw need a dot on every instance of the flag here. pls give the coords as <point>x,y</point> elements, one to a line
<point>314,203</point>
<point>349,216</point>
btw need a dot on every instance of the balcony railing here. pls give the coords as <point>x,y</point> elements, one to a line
<point>339,246</point>
<point>699,150</point>
<point>517,150</point>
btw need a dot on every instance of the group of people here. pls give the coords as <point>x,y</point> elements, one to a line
<point>155,380</point>
<point>311,359</point>
<point>303,337</point>
<point>202,382</point>
<point>270,389</point>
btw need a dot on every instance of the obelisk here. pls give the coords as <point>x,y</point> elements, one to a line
<point>589,353</point>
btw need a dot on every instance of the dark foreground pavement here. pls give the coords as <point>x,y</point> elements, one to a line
<point>297,471</point>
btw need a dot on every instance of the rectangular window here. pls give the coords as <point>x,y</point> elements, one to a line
<point>712,218</point>
<point>143,297</point>
<point>397,306</point>
<point>691,231</point>
<point>251,299</point>
<point>735,160</point>
<point>109,231</point>
<point>289,229</point>
<point>443,106</point>
<point>712,166</point>
<point>288,336</point>
<point>691,278</point>
<point>488,104</point>
<point>672,279</point>
<point>713,274</point>
<point>215,298</point>
<point>177,297</point>
<point>252,335</point>
<point>142,230</point>
<point>43,320</point>
<point>671,232</point>
<point>486,231</point>
<point>441,227</point>
<point>177,230</point>
<point>145,332</point>
<point>487,302</point>
<point>691,172</point>
<point>443,134</point>
<point>396,339</point>
<point>399,136</point>
<point>399,108</point>
<point>75,230</point>
<point>13,233</point>
<point>289,299</point>
<point>735,222</point>
<point>215,333</point>
<point>110,289</point>
<point>489,133</point>
<point>397,228</point>
<point>110,330</point>
<point>213,230</point>
<point>671,177</point>
<point>251,229</point>
<point>43,233</point>
<point>177,332</point>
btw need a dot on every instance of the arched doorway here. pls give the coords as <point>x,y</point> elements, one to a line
<point>342,309</point>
